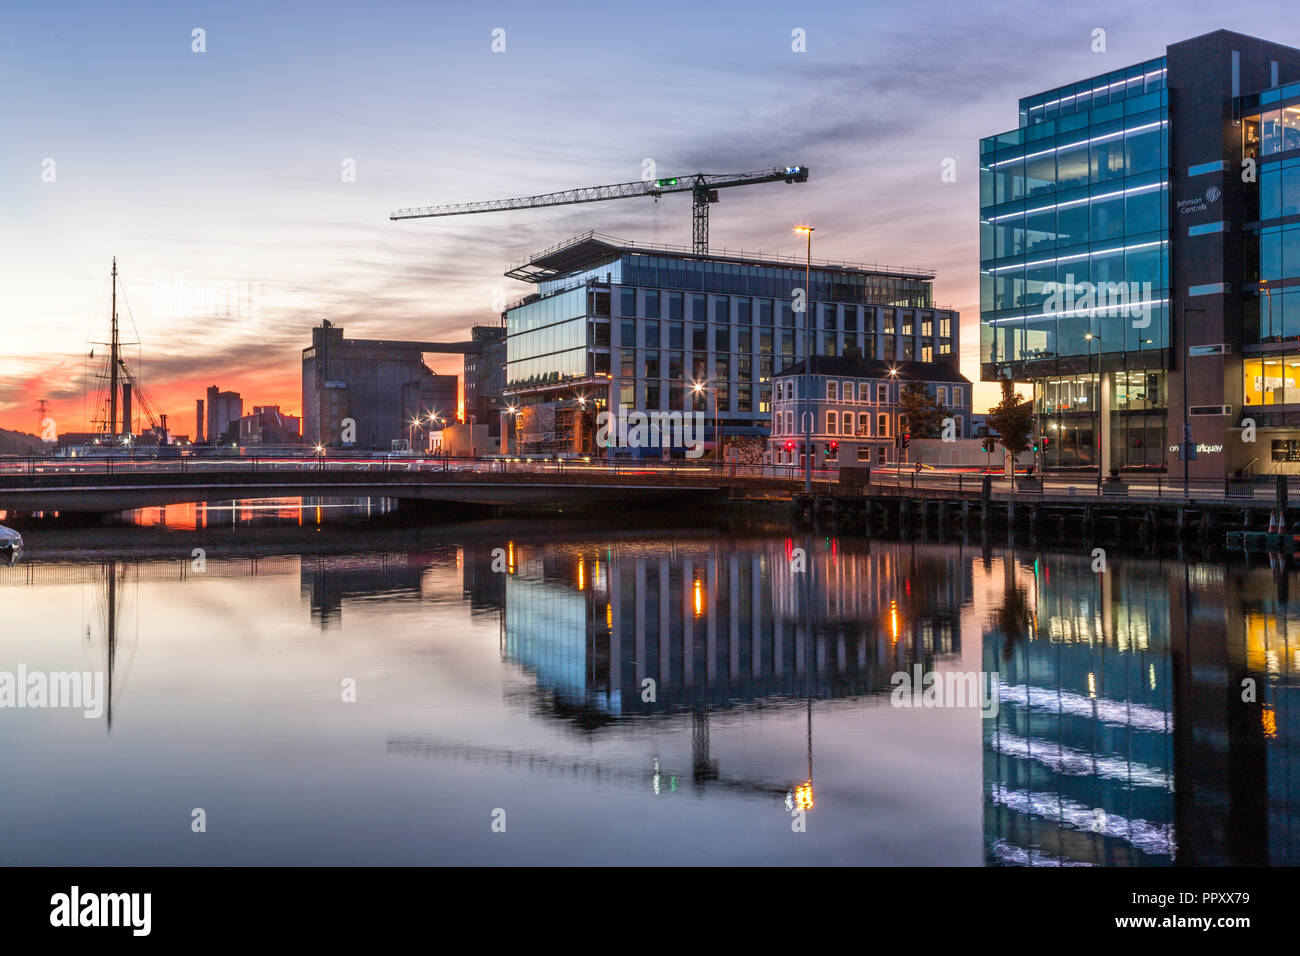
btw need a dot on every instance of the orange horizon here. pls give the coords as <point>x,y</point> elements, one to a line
<point>176,399</point>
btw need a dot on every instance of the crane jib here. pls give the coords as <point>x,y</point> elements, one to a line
<point>703,186</point>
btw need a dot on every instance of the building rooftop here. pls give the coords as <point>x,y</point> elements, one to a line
<point>582,252</point>
<point>852,367</point>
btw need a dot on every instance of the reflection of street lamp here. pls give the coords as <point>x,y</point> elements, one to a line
<point>807,362</point>
<point>697,388</point>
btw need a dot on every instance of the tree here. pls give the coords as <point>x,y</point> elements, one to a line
<point>1013,419</point>
<point>922,413</point>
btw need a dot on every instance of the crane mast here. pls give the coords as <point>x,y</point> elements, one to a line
<point>703,188</point>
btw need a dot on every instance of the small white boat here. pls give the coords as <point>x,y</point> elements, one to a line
<point>11,545</point>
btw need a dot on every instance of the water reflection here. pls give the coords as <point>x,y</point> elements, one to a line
<point>1140,716</point>
<point>1144,714</point>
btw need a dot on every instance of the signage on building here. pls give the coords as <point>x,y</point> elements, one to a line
<point>1200,203</point>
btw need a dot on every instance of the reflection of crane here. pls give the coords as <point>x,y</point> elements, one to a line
<point>539,761</point>
<point>703,188</point>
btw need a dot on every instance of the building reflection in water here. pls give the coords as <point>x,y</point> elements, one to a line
<point>1123,736</point>
<point>642,629</point>
<point>1147,715</point>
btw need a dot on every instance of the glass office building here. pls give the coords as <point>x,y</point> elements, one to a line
<point>1075,197</point>
<point>1133,261</point>
<point>664,329</point>
<point>1270,137</point>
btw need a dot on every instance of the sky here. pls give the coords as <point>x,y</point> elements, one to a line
<point>245,189</point>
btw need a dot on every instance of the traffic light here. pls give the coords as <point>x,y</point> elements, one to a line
<point>988,445</point>
<point>835,446</point>
<point>789,446</point>
<point>907,439</point>
<point>1047,442</point>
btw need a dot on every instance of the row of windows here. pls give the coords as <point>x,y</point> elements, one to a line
<point>1104,153</point>
<point>1079,112</point>
<point>846,423</point>
<point>1109,88</point>
<point>742,340</point>
<point>728,397</point>
<point>772,355</point>
<point>1278,252</point>
<point>1271,131</point>
<point>551,338</point>
<point>1052,337</point>
<point>731,310</point>
<point>1272,317</point>
<point>742,279</point>
<point>836,391</point>
<point>1134,207</point>
<point>1279,191</point>
<point>1142,266</point>
<point>837,423</point>
<point>557,308</point>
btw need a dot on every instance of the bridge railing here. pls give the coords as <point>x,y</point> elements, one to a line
<point>900,478</point>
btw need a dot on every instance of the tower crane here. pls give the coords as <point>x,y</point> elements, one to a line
<point>703,188</point>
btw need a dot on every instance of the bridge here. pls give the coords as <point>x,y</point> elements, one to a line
<point>102,486</point>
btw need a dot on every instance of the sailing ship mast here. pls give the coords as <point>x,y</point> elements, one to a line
<point>123,387</point>
<point>112,367</point>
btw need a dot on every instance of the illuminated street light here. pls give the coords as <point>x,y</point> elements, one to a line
<point>699,388</point>
<point>806,412</point>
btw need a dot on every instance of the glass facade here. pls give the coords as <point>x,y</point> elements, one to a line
<point>1074,261</point>
<point>728,327</point>
<point>1270,135</point>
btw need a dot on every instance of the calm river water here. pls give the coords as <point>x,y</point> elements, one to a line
<point>535,692</point>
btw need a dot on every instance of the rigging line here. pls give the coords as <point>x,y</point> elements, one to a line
<point>139,360</point>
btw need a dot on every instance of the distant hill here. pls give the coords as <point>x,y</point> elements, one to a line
<point>20,443</point>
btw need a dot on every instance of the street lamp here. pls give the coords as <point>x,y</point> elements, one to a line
<point>1097,403</point>
<point>807,413</point>
<point>1187,423</point>
<point>697,388</point>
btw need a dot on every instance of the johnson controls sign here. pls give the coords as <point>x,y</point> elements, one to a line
<point>1201,203</point>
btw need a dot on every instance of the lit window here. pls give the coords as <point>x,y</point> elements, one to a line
<point>832,420</point>
<point>882,426</point>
